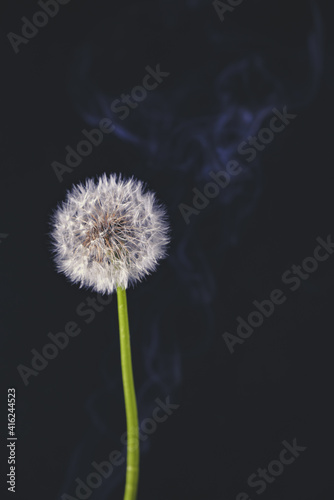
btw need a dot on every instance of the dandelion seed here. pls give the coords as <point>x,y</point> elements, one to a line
<point>108,234</point>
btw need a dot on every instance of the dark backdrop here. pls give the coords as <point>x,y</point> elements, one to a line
<point>237,400</point>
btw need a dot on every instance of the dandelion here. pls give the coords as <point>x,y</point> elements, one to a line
<point>106,236</point>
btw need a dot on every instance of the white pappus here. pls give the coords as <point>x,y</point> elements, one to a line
<point>109,233</point>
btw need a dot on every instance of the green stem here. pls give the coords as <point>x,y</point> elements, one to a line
<point>132,426</point>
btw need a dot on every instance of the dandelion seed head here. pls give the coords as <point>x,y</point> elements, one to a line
<point>109,233</point>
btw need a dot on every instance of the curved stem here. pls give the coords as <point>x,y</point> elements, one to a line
<point>132,426</point>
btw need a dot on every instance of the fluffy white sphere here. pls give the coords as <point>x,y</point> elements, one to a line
<point>109,233</point>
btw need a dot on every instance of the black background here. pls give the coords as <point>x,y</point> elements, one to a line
<point>234,409</point>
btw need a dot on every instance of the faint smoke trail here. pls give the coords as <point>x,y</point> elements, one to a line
<point>187,127</point>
